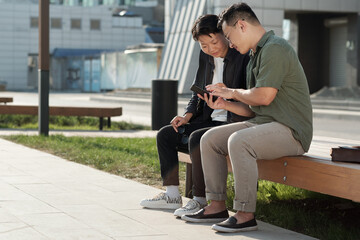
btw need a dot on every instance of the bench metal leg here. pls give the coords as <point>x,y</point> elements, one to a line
<point>188,181</point>
<point>109,122</point>
<point>101,120</point>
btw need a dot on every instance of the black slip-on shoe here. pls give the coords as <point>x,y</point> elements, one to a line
<point>230,226</point>
<point>200,217</point>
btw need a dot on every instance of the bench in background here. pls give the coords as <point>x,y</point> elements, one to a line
<point>99,112</point>
<point>313,171</point>
<point>6,99</point>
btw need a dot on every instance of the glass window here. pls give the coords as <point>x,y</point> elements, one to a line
<point>57,2</point>
<point>95,24</point>
<point>76,23</point>
<point>89,3</point>
<point>34,22</point>
<point>56,23</point>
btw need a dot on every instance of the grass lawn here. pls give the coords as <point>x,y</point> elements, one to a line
<point>306,212</point>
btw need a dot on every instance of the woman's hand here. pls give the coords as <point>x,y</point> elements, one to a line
<point>219,103</point>
<point>179,121</point>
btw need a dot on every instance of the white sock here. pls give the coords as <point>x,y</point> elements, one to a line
<point>172,191</point>
<point>201,200</point>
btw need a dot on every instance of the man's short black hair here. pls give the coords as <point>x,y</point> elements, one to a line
<point>238,11</point>
<point>205,25</point>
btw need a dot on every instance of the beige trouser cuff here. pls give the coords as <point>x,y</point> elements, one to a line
<point>244,207</point>
<point>216,196</point>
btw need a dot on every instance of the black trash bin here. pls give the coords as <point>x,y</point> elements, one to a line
<point>164,98</point>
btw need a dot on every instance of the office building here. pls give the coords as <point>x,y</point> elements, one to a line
<point>77,28</point>
<point>325,34</point>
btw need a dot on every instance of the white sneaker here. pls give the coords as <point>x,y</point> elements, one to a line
<point>162,201</point>
<point>191,207</point>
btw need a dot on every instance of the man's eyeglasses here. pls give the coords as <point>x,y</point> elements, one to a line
<point>184,137</point>
<point>227,36</point>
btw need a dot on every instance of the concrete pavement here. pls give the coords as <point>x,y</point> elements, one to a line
<point>46,197</point>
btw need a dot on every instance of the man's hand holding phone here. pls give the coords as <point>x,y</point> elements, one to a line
<point>201,91</point>
<point>211,100</point>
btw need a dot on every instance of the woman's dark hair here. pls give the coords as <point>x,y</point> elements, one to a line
<point>205,25</point>
<point>238,11</point>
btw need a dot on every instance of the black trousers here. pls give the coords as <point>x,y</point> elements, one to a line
<point>170,142</point>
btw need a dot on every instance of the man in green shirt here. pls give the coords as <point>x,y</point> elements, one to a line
<point>277,96</point>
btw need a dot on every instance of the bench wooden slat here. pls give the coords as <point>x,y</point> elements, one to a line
<point>311,173</point>
<point>323,176</point>
<point>86,111</point>
<point>6,99</point>
<point>63,111</point>
<point>12,109</point>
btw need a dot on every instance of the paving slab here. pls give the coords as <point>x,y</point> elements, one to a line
<point>46,197</point>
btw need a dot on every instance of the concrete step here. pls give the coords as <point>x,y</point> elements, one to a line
<point>336,104</point>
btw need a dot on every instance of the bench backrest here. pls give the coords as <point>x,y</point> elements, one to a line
<point>63,111</point>
<point>6,99</point>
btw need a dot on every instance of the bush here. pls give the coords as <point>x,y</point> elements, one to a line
<point>12,121</point>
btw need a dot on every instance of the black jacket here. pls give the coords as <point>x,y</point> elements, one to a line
<point>234,76</point>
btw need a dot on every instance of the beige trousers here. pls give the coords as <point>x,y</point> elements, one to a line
<point>244,142</point>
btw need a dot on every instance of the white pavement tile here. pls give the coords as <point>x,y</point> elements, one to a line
<point>39,188</point>
<point>68,198</point>
<point>6,217</point>
<point>107,221</point>
<point>23,207</point>
<point>152,237</point>
<point>122,186</point>
<point>7,170</point>
<point>78,234</point>
<point>12,226</point>
<point>22,234</point>
<point>53,222</point>
<point>273,232</point>
<point>127,201</point>
<point>9,193</point>
<point>21,179</point>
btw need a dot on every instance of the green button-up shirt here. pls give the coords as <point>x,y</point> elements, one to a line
<point>275,64</point>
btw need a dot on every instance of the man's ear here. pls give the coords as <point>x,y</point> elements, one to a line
<point>242,24</point>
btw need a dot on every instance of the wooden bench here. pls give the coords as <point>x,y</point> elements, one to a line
<point>6,99</point>
<point>313,171</point>
<point>100,112</point>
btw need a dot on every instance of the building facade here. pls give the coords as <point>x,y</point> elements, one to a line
<point>76,24</point>
<point>325,34</point>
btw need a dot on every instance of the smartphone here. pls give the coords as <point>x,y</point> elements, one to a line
<point>201,91</point>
